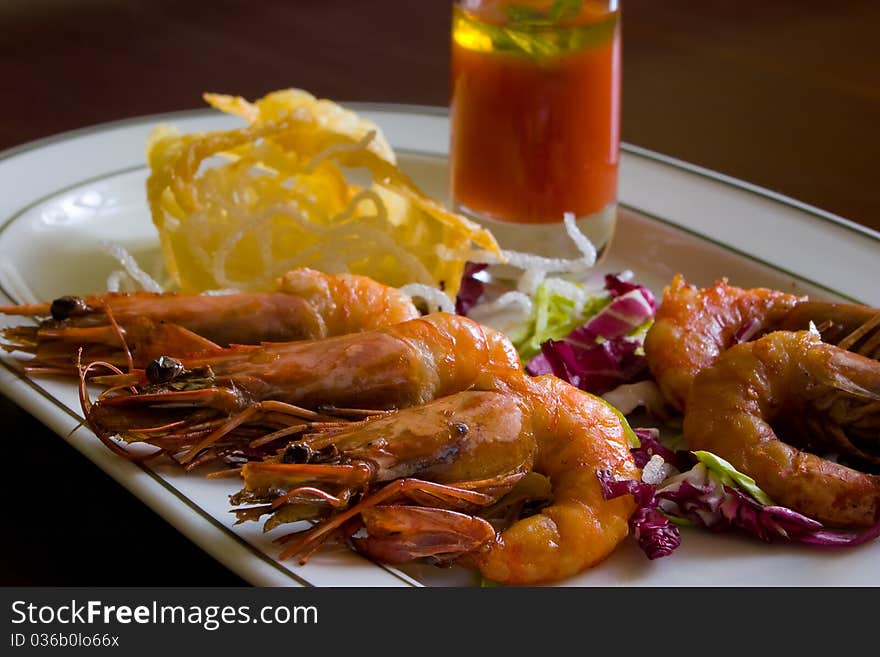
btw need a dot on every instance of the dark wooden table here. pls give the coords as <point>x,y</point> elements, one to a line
<point>784,94</point>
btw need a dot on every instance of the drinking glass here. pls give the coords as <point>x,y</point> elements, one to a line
<point>535,119</point>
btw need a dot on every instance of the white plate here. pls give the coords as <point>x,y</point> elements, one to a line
<point>63,194</point>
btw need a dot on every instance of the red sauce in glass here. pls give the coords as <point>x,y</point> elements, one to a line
<point>535,137</point>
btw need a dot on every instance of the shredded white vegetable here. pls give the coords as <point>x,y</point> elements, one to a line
<point>516,307</point>
<point>436,299</point>
<point>221,293</point>
<point>131,267</point>
<point>536,268</point>
<point>581,241</point>
<point>529,261</point>
<point>506,312</point>
<point>509,299</point>
<point>117,280</point>
<point>628,397</point>
<point>14,283</point>
<point>531,280</point>
<point>656,470</point>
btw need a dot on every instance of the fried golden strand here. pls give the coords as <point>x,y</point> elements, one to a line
<point>238,208</point>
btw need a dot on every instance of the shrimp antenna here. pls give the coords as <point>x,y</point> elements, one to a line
<point>86,404</point>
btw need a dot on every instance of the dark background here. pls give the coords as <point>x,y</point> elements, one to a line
<point>781,93</point>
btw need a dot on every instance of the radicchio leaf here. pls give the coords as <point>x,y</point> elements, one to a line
<point>651,445</point>
<point>700,495</point>
<point>747,331</point>
<point>616,286</point>
<point>596,367</point>
<point>651,528</point>
<point>598,356</point>
<point>471,289</point>
<point>625,313</point>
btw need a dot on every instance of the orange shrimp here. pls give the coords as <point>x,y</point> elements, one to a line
<point>774,406</point>
<point>429,475</point>
<point>217,401</point>
<point>693,327</point>
<point>133,329</point>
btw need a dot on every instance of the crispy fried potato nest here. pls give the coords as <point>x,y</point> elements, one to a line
<point>238,208</point>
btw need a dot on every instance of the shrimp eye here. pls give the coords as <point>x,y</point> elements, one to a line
<point>163,369</point>
<point>297,453</point>
<point>460,429</point>
<point>63,307</point>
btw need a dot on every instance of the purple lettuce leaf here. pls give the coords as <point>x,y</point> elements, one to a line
<point>596,368</point>
<point>471,289</point>
<point>747,331</point>
<point>700,497</point>
<point>598,356</point>
<point>616,286</point>
<point>625,313</point>
<point>651,445</point>
<point>651,528</point>
<point>653,531</point>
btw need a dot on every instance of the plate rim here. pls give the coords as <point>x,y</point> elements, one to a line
<point>442,111</point>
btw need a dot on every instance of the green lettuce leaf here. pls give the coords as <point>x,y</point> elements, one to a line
<point>732,477</point>
<point>553,318</point>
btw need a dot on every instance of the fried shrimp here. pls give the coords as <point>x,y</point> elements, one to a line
<point>694,326</point>
<point>211,403</point>
<point>431,476</point>
<point>775,406</point>
<point>133,329</point>
<point>577,435</point>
